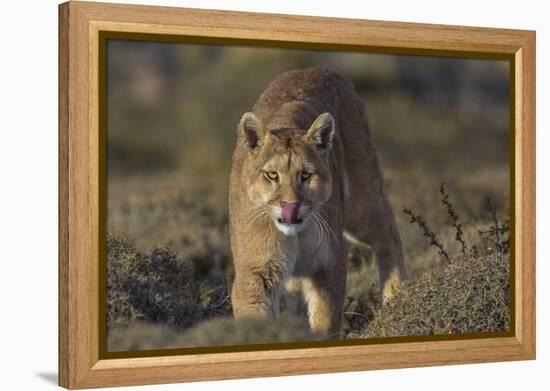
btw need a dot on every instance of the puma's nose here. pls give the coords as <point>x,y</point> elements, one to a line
<point>289,212</point>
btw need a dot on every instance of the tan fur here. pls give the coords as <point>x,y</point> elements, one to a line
<point>309,130</point>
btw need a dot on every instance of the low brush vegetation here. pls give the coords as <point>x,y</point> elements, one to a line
<point>471,294</point>
<point>467,293</point>
<point>159,299</point>
<point>157,287</point>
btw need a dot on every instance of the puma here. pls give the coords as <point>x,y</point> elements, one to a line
<point>305,168</point>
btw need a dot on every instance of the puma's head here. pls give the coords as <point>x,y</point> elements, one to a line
<point>288,171</point>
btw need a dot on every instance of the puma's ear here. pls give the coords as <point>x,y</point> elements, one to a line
<point>252,130</point>
<point>322,131</point>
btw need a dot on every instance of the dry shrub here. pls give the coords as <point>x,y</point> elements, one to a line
<point>156,287</point>
<point>469,295</point>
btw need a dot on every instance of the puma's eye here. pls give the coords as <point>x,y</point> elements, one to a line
<point>272,175</point>
<point>305,176</point>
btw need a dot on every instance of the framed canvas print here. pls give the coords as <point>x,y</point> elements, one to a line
<point>248,195</point>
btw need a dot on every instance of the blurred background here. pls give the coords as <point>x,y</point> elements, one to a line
<point>172,115</point>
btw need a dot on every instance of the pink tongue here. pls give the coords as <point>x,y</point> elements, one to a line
<point>289,212</point>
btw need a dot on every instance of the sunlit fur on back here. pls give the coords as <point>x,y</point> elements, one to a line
<point>304,168</point>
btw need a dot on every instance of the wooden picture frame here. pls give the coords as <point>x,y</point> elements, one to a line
<point>81,25</point>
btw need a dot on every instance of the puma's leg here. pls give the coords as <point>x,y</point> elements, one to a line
<point>324,294</point>
<point>371,221</point>
<point>250,297</point>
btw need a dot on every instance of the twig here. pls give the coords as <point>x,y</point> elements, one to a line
<point>501,243</point>
<point>453,217</point>
<point>493,213</point>
<point>427,232</point>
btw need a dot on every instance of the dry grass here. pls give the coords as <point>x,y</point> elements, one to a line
<point>177,296</point>
<point>221,331</point>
